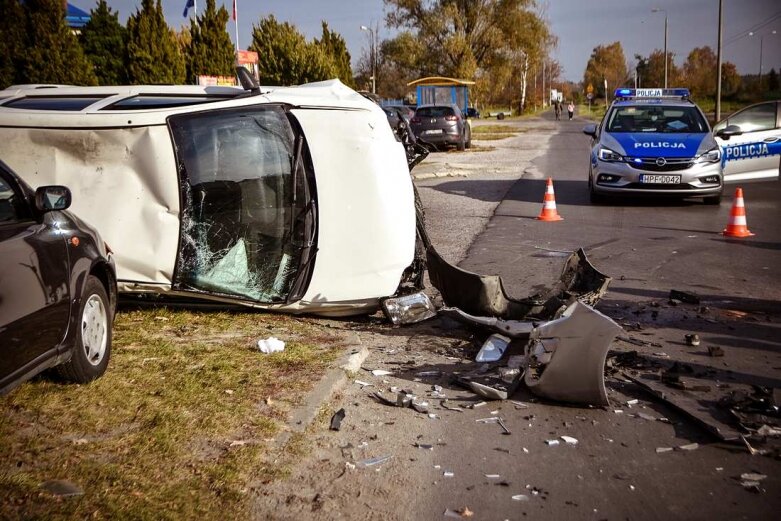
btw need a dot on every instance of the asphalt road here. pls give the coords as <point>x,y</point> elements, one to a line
<point>649,247</point>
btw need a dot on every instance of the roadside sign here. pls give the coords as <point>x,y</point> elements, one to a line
<point>590,96</point>
<point>590,89</point>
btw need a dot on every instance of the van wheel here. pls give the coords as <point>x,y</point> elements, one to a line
<point>92,349</point>
<point>469,139</point>
<point>461,143</point>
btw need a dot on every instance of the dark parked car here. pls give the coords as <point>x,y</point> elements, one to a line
<point>57,287</point>
<point>442,126</point>
<point>472,112</point>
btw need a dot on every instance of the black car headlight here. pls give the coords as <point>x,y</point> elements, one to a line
<point>711,156</point>
<point>605,154</point>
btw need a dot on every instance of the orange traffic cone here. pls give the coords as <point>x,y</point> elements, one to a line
<point>549,212</point>
<point>737,218</point>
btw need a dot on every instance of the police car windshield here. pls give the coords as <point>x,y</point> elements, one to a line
<point>656,118</point>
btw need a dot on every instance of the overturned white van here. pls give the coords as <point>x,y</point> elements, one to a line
<point>296,199</point>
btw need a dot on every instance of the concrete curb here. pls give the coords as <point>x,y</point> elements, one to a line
<point>302,416</point>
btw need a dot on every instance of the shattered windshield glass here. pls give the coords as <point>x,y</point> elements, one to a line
<point>247,212</point>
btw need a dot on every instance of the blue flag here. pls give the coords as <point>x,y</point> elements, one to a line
<point>188,5</point>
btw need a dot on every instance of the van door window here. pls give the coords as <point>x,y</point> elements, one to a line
<point>246,192</point>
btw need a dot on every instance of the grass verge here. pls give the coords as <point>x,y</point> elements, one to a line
<point>495,132</point>
<point>178,428</point>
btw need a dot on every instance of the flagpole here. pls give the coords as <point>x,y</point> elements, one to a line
<point>236,20</point>
<point>195,9</point>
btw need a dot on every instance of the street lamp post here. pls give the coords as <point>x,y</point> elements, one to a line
<point>657,10</point>
<point>372,55</point>
<point>761,42</point>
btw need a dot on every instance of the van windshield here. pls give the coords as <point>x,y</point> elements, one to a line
<point>248,203</point>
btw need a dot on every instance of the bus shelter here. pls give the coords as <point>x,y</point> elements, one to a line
<point>442,90</point>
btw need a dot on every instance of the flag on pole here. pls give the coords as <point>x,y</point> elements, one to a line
<point>188,5</point>
<point>235,14</point>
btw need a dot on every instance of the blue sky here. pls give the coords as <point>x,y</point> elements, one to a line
<point>579,24</point>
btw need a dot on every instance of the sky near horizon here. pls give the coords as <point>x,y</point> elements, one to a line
<point>579,25</point>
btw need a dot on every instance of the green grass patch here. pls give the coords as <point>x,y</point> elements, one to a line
<point>495,129</point>
<point>178,428</point>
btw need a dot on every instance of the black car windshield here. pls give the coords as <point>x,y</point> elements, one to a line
<point>657,118</point>
<point>245,197</point>
<point>434,112</point>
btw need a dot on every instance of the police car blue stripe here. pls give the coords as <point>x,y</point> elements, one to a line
<point>659,144</point>
<point>750,150</point>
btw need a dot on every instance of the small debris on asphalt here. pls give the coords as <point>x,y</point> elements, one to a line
<point>752,476</point>
<point>478,404</point>
<point>519,405</point>
<point>684,296</point>
<point>424,446</point>
<point>551,443</point>
<point>521,497</point>
<point>336,419</point>
<point>362,383</point>
<point>689,446</point>
<point>715,351</point>
<point>381,372</point>
<point>448,407</point>
<point>632,402</point>
<point>371,462</point>
<point>493,476</point>
<point>448,474</point>
<point>660,450</point>
<point>692,339</point>
<point>569,440</point>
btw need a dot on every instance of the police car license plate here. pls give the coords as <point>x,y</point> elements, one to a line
<point>434,131</point>
<point>656,179</point>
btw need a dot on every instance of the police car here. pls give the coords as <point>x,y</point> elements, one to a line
<point>654,142</point>
<point>750,141</point>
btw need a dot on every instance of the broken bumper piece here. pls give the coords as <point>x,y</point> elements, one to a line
<point>408,309</point>
<point>484,295</point>
<point>565,358</point>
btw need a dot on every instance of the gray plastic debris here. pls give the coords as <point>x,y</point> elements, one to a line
<point>520,497</point>
<point>493,348</point>
<point>551,443</point>
<point>371,462</point>
<point>684,296</point>
<point>271,345</point>
<point>336,420</point>
<point>689,446</point>
<point>752,476</point>
<point>62,488</point>
<point>448,474</point>
<point>425,446</point>
<point>660,450</point>
<point>569,440</point>
<point>381,372</point>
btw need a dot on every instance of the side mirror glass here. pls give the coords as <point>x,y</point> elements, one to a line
<point>729,131</point>
<point>590,130</point>
<point>48,198</point>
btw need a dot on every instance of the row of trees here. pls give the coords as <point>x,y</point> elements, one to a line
<point>38,47</point>
<point>607,62</point>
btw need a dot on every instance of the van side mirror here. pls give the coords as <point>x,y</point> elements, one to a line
<point>729,131</point>
<point>590,130</point>
<point>54,197</point>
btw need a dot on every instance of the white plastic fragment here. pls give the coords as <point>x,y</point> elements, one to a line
<point>362,383</point>
<point>493,348</point>
<point>478,404</point>
<point>752,476</point>
<point>689,446</point>
<point>448,474</point>
<point>519,405</point>
<point>374,461</point>
<point>493,476</point>
<point>551,443</point>
<point>618,411</point>
<point>633,402</point>
<point>525,450</point>
<point>521,497</point>
<point>569,440</point>
<point>271,345</point>
<point>381,372</point>
<point>660,450</point>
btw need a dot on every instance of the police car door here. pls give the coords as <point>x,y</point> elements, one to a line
<point>755,151</point>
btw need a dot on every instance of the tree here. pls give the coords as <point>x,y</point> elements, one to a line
<point>12,42</point>
<point>153,55</point>
<point>52,53</point>
<point>607,62</point>
<point>699,72</point>
<point>730,79</point>
<point>489,41</point>
<point>210,51</point>
<point>653,69</point>
<point>334,46</point>
<point>285,57</point>
<point>772,80</point>
<point>104,42</point>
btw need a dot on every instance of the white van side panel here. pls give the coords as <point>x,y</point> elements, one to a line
<point>123,183</point>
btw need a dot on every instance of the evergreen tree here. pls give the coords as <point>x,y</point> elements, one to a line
<point>104,40</point>
<point>12,42</point>
<point>53,54</point>
<point>153,56</point>
<point>285,57</point>
<point>772,80</point>
<point>335,48</point>
<point>210,51</point>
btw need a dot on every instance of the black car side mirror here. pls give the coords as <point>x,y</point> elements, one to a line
<point>590,130</point>
<point>54,197</point>
<point>729,131</point>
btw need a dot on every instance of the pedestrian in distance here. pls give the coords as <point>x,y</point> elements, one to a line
<point>571,109</point>
<point>557,109</point>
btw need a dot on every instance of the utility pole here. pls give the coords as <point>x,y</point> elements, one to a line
<point>372,54</point>
<point>657,10</point>
<point>718,63</point>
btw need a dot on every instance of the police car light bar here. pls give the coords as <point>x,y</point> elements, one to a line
<point>652,93</point>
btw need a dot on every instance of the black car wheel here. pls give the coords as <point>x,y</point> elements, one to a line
<point>468,137</point>
<point>93,339</point>
<point>461,143</point>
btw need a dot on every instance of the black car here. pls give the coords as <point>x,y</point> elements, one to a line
<point>442,126</point>
<point>58,288</point>
<point>472,112</point>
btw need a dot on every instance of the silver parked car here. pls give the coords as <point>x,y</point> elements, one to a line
<point>442,126</point>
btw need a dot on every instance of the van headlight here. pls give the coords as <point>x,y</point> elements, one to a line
<point>605,154</point>
<point>711,156</point>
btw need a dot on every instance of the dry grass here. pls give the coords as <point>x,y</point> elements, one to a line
<point>178,428</point>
